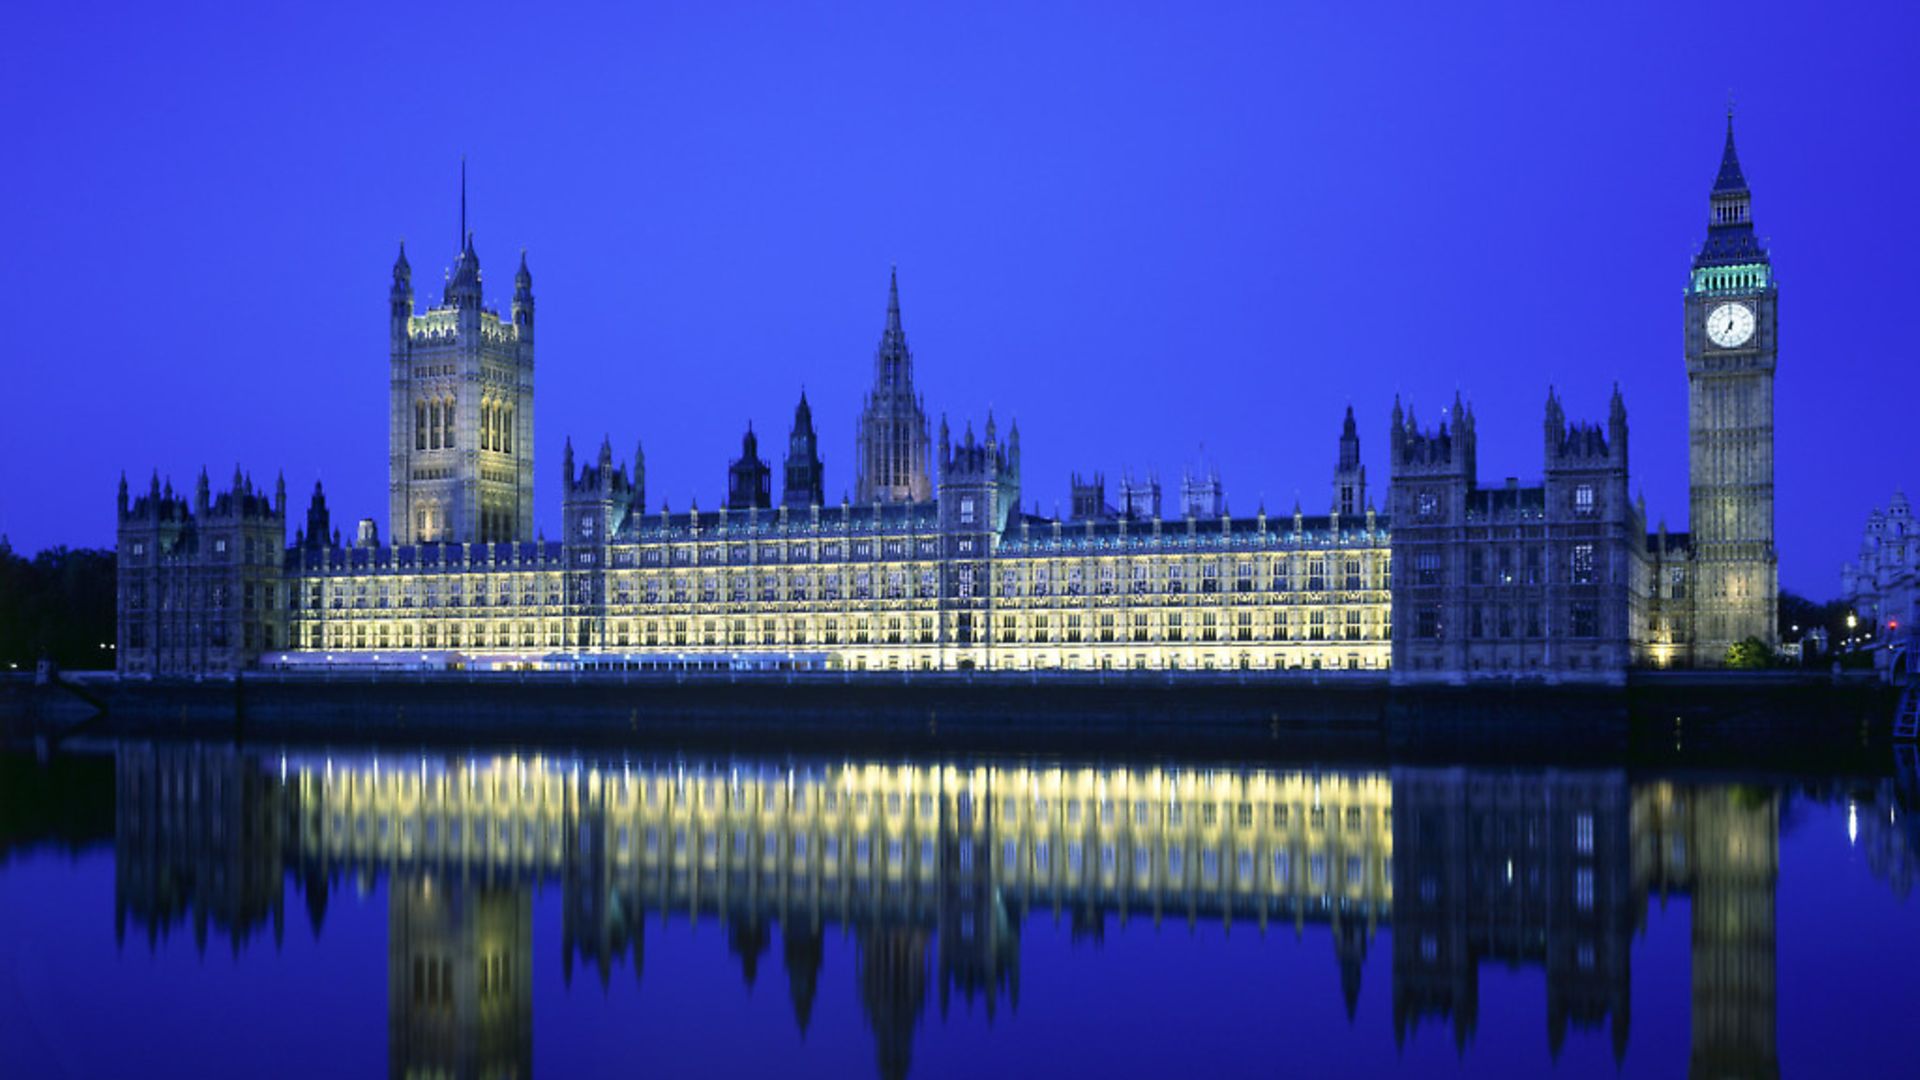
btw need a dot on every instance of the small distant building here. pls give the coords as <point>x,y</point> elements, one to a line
<point>1883,585</point>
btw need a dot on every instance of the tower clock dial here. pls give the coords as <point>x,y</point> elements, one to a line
<point>1730,325</point>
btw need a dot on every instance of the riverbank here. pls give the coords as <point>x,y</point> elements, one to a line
<point>1765,720</point>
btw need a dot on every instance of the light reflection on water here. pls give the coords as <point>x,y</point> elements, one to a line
<point>935,872</point>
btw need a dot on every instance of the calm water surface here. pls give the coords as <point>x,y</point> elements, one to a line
<point>205,910</point>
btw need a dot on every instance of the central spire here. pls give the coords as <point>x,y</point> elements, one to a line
<point>893,301</point>
<point>893,446</point>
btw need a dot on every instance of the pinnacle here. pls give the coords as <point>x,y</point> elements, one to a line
<point>1730,178</point>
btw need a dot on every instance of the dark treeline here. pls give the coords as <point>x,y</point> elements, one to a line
<point>57,605</point>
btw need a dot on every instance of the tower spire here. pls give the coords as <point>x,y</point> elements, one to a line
<point>893,299</point>
<point>1730,178</point>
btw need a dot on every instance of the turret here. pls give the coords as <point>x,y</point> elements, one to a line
<point>463,284</point>
<point>1090,497</point>
<point>400,296</point>
<point>1617,425</point>
<point>804,475</point>
<point>1349,476</point>
<point>979,488</point>
<point>121,503</point>
<point>319,523</point>
<point>638,497</point>
<point>602,492</point>
<point>1201,494</point>
<point>1140,498</point>
<point>523,299</point>
<point>1556,425</point>
<point>202,493</point>
<point>748,480</point>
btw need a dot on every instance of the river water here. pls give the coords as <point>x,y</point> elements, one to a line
<point>208,910</point>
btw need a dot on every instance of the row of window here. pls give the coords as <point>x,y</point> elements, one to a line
<point>1508,566</point>
<point>775,585</point>
<point>1505,621</point>
<point>907,629</point>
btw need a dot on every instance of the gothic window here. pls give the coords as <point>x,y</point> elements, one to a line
<point>419,425</point>
<point>1429,506</point>
<point>449,434</point>
<point>1583,564</point>
<point>434,442</point>
<point>1583,500</point>
<point>506,434</point>
<point>486,425</point>
<point>1584,622</point>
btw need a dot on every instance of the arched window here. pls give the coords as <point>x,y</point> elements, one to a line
<point>434,441</point>
<point>507,431</point>
<point>419,425</point>
<point>486,425</point>
<point>450,424</point>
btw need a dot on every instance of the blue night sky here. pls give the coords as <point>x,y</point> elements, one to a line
<point>1150,233</point>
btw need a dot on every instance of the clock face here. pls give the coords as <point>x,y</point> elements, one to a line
<point>1730,325</point>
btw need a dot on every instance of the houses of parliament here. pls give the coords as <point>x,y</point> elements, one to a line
<point>933,564</point>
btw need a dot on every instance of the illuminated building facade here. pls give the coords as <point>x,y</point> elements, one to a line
<point>907,578</point>
<point>933,566</point>
<point>1731,337</point>
<point>460,418</point>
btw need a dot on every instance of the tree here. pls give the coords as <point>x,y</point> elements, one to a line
<point>1749,655</point>
<point>1798,611</point>
<point>59,606</point>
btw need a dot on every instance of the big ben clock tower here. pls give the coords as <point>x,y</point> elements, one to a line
<point>1731,338</point>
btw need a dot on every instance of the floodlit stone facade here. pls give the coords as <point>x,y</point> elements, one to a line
<point>932,565</point>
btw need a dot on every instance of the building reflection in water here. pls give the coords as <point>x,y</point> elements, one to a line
<point>459,978</point>
<point>936,867</point>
